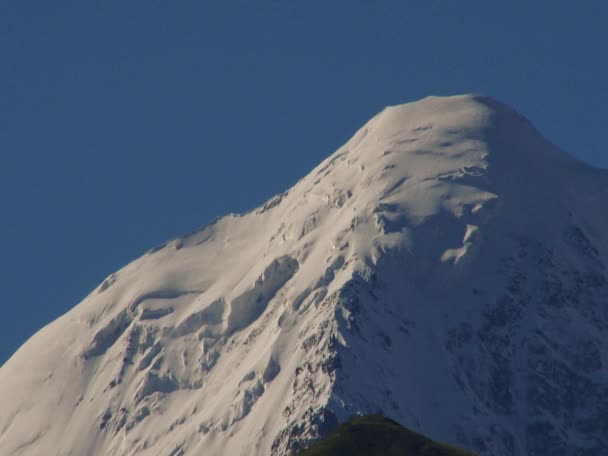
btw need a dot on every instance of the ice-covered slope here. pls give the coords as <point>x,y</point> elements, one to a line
<point>446,266</point>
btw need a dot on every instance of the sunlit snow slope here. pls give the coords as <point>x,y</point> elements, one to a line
<point>446,267</point>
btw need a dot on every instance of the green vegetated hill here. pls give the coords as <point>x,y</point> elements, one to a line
<point>376,435</point>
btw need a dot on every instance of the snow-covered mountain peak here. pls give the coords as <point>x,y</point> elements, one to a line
<point>462,111</point>
<point>437,137</point>
<point>446,266</point>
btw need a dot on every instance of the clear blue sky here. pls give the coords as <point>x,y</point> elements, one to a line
<point>126,123</point>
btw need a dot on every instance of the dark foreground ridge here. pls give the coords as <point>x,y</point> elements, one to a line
<point>375,435</point>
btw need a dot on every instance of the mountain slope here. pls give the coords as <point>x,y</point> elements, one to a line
<point>446,267</point>
<point>375,435</point>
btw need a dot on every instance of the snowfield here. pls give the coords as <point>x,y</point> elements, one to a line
<point>446,267</point>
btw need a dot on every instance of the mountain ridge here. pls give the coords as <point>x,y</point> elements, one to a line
<point>375,435</point>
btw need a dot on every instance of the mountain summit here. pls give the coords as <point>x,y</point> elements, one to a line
<point>446,267</point>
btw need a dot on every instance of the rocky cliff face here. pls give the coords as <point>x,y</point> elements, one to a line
<point>446,267</point>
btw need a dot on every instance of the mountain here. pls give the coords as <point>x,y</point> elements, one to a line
<point>446,267</point>
<point>376,435</point>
